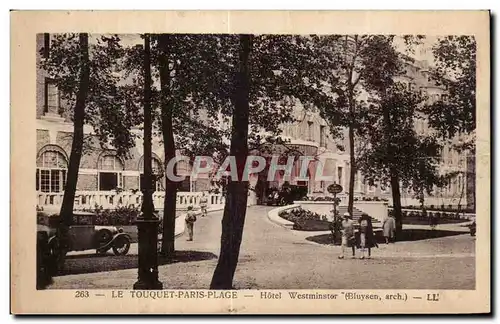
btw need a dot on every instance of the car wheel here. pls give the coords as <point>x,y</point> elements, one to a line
<point>121,245</point>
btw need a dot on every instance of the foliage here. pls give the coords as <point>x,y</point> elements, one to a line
<point>455,58</point>
<point>125,215</point>
<point>350,66</point>
<point>107,107</point>
<point>394,144</point>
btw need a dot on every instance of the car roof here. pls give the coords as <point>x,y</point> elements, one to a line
<point>83,213</point>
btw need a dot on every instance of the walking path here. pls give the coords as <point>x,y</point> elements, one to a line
<point>273,257</point>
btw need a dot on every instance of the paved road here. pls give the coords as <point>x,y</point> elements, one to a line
<point>273,257</point>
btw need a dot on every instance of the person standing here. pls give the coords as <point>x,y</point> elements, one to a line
<point>366,236</point>
<point>190,220</point>
<point>389,228</point>
<point>203,204</point>
<point>348,238</point>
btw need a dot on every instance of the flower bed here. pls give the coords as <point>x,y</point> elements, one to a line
<point>442,208</point>
<point>305,220</point>
<point>418,217</point>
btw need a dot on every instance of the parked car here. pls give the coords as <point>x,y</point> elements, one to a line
<point>83,235</point>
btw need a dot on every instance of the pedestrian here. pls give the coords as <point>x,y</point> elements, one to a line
<point>366,236</point>
<point>203,204</point>
<point>389,228</point>
<point>348,238</point>
<point>433,220</point>
<point>190,220</point>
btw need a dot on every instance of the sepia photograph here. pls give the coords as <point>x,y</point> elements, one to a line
<point>286,166</point>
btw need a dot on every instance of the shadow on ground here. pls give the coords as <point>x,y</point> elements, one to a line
<point>406,235</point>
<point>90,263</point>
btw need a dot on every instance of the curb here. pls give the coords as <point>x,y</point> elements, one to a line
<point>274,217</point>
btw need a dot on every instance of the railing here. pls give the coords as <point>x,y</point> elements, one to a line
<point>111,199</point>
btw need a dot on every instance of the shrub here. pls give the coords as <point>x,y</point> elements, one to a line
<point>121,216</point>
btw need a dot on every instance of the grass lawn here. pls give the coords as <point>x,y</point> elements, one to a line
<point>407,235</point>
<point>413,220</point>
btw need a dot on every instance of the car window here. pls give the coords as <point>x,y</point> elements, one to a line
<point>53,221</point>
<point>82,219</point>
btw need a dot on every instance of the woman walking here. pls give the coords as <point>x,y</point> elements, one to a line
<point>389,227</point>
<point>366,236</point>
<point>348,238</point>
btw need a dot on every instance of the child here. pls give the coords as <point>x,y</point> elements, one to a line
<point>347,235</point>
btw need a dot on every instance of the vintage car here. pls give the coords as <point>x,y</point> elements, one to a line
<point>83,235</point>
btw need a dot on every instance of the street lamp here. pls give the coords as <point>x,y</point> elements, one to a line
<point>147,223</point>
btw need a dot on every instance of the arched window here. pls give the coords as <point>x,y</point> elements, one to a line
<point>51,171</point>
<point>157,174</point>
<point>110,172</point>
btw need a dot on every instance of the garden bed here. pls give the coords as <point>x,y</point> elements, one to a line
<point>416,220</point>
<point>406,235</point>
<point>305,220</point>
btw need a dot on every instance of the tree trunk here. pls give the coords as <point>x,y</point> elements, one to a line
<point>352,157</point>
<point>459,207</point>
<point>169,204</point>
<point>352,173</point>
<point>394,175</point>
<point>396,202</point>
<point>77,144</point>
<point>236,202</point>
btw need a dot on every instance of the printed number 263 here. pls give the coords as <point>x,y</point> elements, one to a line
<point>82,294</point>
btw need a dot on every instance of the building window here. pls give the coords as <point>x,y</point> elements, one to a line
<point>51,97</point>
<point>46,45</point>
<point>309,131</point>
<point>184,185</point>
<point>157,175</point>
<point>450,157</point>
<point>302,183</point>
<point>339,176</point>
<point>110,173</point>
<point>322,136</point>
<point>460,160</point>
<point>51,172</point>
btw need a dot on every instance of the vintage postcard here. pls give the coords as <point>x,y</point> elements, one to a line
<point>234,162</point>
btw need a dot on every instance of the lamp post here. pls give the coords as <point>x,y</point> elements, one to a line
<point>334,189</point>
<point>147,223</point>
